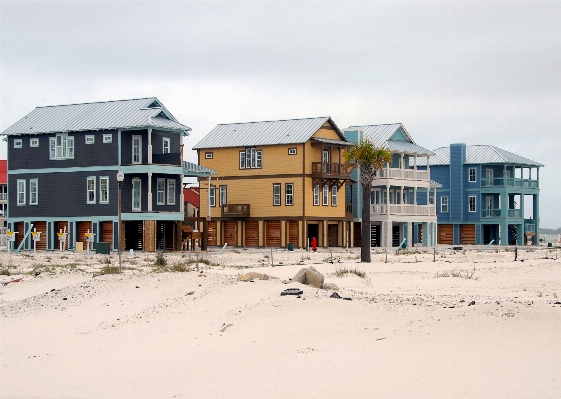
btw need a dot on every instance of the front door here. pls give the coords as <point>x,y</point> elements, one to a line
<point>489,205</point>
<point>325,160</point>
<point>332,235</point>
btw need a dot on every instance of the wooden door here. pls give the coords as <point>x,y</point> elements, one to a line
<point>231,233</point>
<point>446,234</point>
<point>273,233</point>
<point>83,228</point>
<point>332,235</point>
<point>211,233</point>
<point>467,234</point>
<point>107,233</point>
<point>252,233</point>
<point>41,227</point>
<point>293,232</point>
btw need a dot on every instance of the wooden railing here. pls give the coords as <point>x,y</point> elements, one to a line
<point>235,210</point>
<point>330,170</point>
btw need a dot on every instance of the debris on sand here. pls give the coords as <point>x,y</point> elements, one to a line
<point>292,291</point>
<point>255,276</point>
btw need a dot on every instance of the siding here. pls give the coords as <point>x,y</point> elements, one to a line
<point>126,146</point>
<point>456,206</point>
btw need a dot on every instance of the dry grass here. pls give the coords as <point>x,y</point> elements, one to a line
<point>342,271</point>
<point>461,273</point>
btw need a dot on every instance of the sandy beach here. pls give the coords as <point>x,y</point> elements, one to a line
<point>458,324</point>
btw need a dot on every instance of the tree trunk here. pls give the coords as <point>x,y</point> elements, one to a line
<point>365,225</point>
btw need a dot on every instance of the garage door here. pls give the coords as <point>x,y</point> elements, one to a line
<point>41,227</point>
<point>211,233</point>
<point>446,234</point>
<point>293,232</point>
<point>467,234</point>
<point>273,233</point>
<point>252,233</point>
<point>230,233</point>
<point>107,233</point>
<point>83,228</point>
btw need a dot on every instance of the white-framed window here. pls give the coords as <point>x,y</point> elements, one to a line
<point>208,155</point>
<point>34,142</point>
<point>136,149</point>
<point>325,195</point>
<point>107,138</point>
<point>171,192</point>
<point>444,204</point>
<point>136,194</point>
<point>90,139</point>
<point>33,191</point>
<point>212,196</point>
<point>161,192</point>
<point>18,143</point>
<point>292,151</point>
<point>104,190</point>
<point>276,194</point>
<point>316,195</point>
<point>334,195</point>
<point>61,146</point>
<point>251,159</point>
<point>289,194</point>
<point>166,145</point>
<point>471,175</point>
<point>90,190</point>
<point>21,191</point>
<point>223,195</point>
<point>471,203</point>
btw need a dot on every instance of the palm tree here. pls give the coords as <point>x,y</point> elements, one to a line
<point>368,159</point>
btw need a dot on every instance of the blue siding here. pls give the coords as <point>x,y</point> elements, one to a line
<point>457,158</point>
<point>399,135</point>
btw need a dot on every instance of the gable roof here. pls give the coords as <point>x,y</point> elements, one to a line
<point>480,154</point>
<point>191,196</point>
<point>383,136</point>
<point>121,114</point>
<point>3,171</point>
<point>290,131</point>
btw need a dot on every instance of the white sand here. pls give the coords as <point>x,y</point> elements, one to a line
<point>405,334</point>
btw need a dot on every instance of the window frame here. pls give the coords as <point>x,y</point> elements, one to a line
<point>33,182</point>
<point>32,140</point>
<point>166,142</point>
<point>90,190</point>
<point>334,195</point>
<point>139,138</point>
<point>101,179</point>
<point>209,155</point>
<point>139,207</point>
<point>292,151</point>
<point>470,203</point>
<point>107,138</point>
<point>170,185</point>
<point>444,203</point>
<point>223,193</point>
<point>61,149</point>
<point>212,196</point>
<point>325,195</point>
<point>18,143</point>
<point>316,195</point>
<point>474,170</point>
<point>253,158</point>
<point>289,194</point>
<point>89,139</point>
<point>22,192</point>
<point>161,191</point>
<point>276,195</point>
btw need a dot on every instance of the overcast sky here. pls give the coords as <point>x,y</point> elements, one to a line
<point>471,72</point>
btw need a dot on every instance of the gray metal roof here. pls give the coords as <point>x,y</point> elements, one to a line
<point>331,141</point>
<point>121,114</point>
<point>192,169</point>
<point>379,134</point>
<point>407,147</point>
<point>480,154</point>
<point>435,184</point>
<point>291,131</point>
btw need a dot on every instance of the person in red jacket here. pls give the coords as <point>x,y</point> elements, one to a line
<point>314,244</point>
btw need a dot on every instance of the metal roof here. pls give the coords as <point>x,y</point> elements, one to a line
<point>480,154</point>
<point>407,147</point>
<point>121,114</point>
<point>291,131</point>
<point>192,169</point>
<point>435,184</point>
<point>379,134</point>
<point>331,141</point>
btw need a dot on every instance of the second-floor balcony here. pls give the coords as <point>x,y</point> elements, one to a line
<point>3,196</point>
<point>330,171</point>
<point>509,182</point>
<point>235,210</point>
<point>499,213</point>
<point>403,209</point>
<point>171,158</point>
<point>408,174</point>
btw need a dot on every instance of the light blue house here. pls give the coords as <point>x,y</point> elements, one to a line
<point>487,194</point>
<point>402,195</point>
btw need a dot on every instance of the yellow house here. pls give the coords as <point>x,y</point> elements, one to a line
<point>278,183</point>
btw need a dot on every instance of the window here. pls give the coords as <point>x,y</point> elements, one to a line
<point>107,138</point>
<point>471,174</point>
<point>471,202</point>
<point>223,195</point>
<point>316,195</point>
<point>444,204</point>
<point>292,151</point>
<point>171,192</point>
<point>90,139</point>
<point>21,192</point>
<point>252,158</point>
<point>18,143</point>
<point>212,196</point>
<point>166,145</point>
<point>161,189</point>
<point>61,147</point>
<point>276,194</point>
<point>333,195</point>
<point>90,189</point>
<point>325,195</point>
<point>136,149</point>
<point>34,142</point>
<point>136,199</point>
<point>208,155</point>
<point>104,190</point>
<point>33,191</point>
<point>289,194</point>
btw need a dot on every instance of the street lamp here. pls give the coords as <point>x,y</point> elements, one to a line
<point>120,178</point>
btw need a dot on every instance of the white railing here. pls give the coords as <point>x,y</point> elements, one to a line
<point>409,174</point>
<point>403,209</point>
<point>3,196</point>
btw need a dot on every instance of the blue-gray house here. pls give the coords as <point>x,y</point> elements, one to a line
<point>62,174</point>
<point>488,194</point>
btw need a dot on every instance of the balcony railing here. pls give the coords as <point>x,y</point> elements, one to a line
<point>235,210</point>
<point>509,182</point>
<point>172,158</point>
<point>349,208</point>
<point>497,213</point>
<point>407,174</point>
<point>330,170</point>
<point>530,228</point>
<point>3,196</point>
<point>403,209</point>
<point>515,213</point>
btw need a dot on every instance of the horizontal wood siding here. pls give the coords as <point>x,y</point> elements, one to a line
<point>467,234</point>
<point>446,234</point>
<point>211,235</point>
<point>42,228</point>
<point>273,233</point>
<point>252,233</point>
<point>83,228</point>
<point>230,233</point>
<point>107,233</point>
<point>293,232</point>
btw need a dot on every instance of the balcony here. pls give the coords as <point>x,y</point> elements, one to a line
<point>172,158</point>
<point>3,196</point>
<point>349,208</point>
<point>497,213</point>
<point>403,209</point>
<point>330,171</point>
<point>510,182</point>
<point>235,210</point>
<point>530,228</point>
<point>403,174</point>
